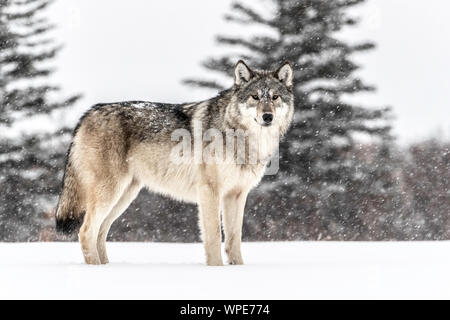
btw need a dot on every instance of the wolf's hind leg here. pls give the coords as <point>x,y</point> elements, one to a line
<point>125,200</point>
<point>233,214</point>
<point>100,202</point>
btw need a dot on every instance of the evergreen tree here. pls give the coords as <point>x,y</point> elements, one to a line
<point>319,190</point>
<point>30,165</point>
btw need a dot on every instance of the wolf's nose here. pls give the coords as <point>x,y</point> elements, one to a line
<point>267,117</point>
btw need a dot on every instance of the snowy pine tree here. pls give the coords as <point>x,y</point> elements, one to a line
<point>319,191</point>
<point>30,164</point>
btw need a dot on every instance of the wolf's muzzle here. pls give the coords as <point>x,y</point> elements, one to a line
<point>267,118</point>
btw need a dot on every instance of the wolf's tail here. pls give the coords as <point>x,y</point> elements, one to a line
<point>70,211</point>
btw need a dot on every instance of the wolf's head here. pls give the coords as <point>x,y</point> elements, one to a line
<point>264,98</point>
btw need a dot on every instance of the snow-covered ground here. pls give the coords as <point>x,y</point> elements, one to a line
<point>273,270</point>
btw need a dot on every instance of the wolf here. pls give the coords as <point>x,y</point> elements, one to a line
<point>119,148</point>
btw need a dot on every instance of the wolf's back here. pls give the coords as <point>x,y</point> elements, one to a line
<point>70,211</point>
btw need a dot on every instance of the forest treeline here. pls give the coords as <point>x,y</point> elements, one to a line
<point>331,185</point>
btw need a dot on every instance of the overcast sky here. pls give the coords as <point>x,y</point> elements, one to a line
<point>139,49</point>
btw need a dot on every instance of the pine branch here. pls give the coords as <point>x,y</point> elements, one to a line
<point>37,31</point>
<point>248,15</point>
<point>203,84</point>
<point>356,85</point>
<point>223,65</point>
<point>26,10</point>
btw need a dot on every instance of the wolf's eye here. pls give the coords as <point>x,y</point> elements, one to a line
<point>275,97</point>
<point>255,96</point>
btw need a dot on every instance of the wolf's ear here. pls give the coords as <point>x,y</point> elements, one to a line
<point>242,73</point>
<point>284,74</point>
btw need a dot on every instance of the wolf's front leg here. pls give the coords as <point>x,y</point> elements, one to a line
<point>233,214</point>
<point>208,202</point>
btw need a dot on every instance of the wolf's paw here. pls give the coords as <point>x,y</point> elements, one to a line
<point>234,255</point>
<point>235,260</point>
